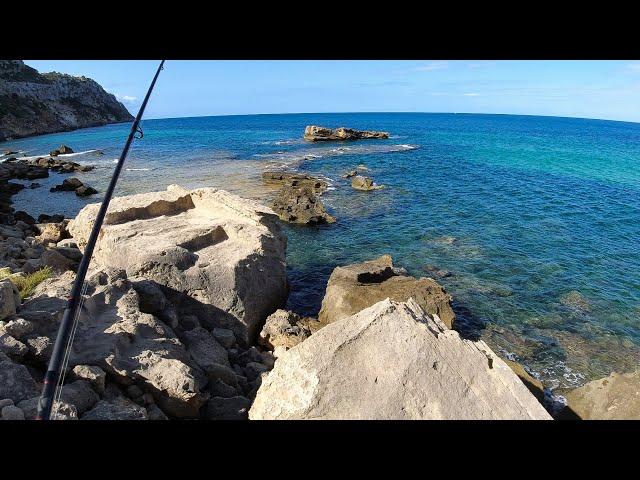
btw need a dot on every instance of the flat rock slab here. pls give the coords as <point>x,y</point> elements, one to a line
<point>226,254</point>
<point>392,361</point>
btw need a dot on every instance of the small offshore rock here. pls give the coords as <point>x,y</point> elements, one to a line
<point>24,217</point>
<point>300,205</point>
<point>85,191</point>
<point>364,183</point>
<point>315,133</point>
<point>67,185</point>
<point>61,150</point>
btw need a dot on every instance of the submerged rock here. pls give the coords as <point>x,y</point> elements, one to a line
<point>353,288</point>
<point>314,133</point>
<point>295,180</point>
<point>392,361</point>
<point>215,255</point>
<point>576,301</point>
<point>616,397</point>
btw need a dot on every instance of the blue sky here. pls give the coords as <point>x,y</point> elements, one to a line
<point>590,89</point>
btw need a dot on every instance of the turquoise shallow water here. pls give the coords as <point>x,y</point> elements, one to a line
<point>535,219</point>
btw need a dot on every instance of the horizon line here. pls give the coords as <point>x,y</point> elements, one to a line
<point>387,112</point>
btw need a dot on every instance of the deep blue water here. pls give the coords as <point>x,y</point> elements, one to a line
<point>527,214</point>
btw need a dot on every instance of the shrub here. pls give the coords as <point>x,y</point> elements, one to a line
<point>27,284</point>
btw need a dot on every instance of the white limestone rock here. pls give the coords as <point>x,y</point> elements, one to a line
<point>225,254</point>
<point>392,361</point>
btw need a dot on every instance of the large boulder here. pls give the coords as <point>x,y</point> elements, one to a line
<point>314,133</point>
<point>15,381</point>
<point>355,287</point>
<point>616,397</point>
<point>113,334</point>
<point>392,361</point>
<point>9,299</point>
<point>216,255</point>
<point>51,232</point>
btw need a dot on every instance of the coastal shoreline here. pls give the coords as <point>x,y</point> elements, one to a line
<point>444,241</point>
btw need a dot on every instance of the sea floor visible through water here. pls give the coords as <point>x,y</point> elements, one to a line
<point>531,223</point>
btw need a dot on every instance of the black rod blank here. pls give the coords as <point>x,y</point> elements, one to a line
<point>52,376</point>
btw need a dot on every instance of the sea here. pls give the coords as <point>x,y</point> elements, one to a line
<point>531,223</point>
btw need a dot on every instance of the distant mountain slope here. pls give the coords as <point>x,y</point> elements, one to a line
<point>32,103</point>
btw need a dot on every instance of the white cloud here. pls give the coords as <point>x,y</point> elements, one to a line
<point>430,67</point>
<point>124,98</point>
<point>471,94</point>
<point>481,64</point>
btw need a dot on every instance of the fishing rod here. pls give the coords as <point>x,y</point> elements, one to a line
<point>62,347</point>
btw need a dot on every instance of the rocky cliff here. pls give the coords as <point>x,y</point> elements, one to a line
<point>32,103</point>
